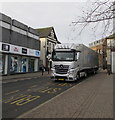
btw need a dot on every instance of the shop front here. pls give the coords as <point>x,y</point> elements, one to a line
<point>22,64</point>
<point>19,60</point>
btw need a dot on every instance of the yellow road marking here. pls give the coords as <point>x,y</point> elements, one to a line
<point>50,90</point>
<point>12,92</point>
<point>54,90</point>
<point>65,84</point>
<point>25,100</point>
<point>15,98</point>
<point>43,91</point>
<point>21,100</point>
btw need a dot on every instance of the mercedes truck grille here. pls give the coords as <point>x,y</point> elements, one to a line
<point>61,69</point>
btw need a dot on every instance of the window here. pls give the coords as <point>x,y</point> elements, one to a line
<point>24,64</point>
<point>14,64</point>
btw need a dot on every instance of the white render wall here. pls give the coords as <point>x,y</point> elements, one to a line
<point>113,62</point>
<point>43,50</point>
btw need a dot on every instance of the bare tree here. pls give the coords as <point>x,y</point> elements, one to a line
<point>100,12</point>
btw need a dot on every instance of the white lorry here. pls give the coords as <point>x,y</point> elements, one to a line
<point>72,61</point>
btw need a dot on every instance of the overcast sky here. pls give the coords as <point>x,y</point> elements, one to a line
<point>56,14</point>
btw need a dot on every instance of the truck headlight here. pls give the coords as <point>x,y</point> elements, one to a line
<point>52,69</point>
<point>71,71</point>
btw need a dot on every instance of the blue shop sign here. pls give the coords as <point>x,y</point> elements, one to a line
<point>38,53</point>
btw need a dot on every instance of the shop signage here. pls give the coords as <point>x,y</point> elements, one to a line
<point>5,47</point>
<point>24,50</point>
<point>31,52</point>
<point>9,48</point>
<point>15,49</point>
<point>37,53</point>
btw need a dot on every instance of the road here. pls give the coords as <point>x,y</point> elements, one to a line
<point>21,96</point>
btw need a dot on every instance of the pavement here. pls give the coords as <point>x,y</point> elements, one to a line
<point>18,77</point>
<point>91,98</point>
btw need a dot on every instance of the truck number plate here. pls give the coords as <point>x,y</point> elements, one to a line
<point>60,79</point>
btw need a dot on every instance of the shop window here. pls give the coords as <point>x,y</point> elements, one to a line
<point>24,64</point>
<point>31,65</point>
<point>2,63</point>
<point>14,64</point>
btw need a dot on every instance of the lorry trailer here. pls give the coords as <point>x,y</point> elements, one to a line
<point>72,61</point>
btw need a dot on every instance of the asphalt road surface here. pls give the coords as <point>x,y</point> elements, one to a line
<point>21,96</point>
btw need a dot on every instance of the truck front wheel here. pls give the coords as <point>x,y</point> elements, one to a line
<point>78,76</point>
<point>85,74</point>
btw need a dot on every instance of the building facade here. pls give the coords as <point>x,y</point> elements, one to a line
<point>19,47</point>
<point>106,52</point>
<point>48,40</point>
<point>100,47</point>
<point>111,53</point>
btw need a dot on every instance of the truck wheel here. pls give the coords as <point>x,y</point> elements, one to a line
<point>77,77</point>
<point>94,71</point>
<point>85,75</point>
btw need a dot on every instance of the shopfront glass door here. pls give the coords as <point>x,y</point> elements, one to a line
<point>31,65</point>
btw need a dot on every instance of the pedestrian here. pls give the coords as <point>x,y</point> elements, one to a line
<point>108,70</point>
<point>48,67</point>
<point>43,69</point>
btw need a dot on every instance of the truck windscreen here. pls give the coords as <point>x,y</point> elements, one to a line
<point>63,56</point>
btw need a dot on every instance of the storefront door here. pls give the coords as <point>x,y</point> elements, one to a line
<point>31,65</point>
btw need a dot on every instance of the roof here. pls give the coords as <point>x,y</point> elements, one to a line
<point>45,32</point>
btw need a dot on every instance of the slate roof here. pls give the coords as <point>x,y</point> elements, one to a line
<point>45,32</point>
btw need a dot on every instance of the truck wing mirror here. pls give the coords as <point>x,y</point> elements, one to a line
<point>78,55</point>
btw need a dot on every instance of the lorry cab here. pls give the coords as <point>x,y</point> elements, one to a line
<point>65,62</point>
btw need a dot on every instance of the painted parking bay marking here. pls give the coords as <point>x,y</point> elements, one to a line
<point>23,100</point>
